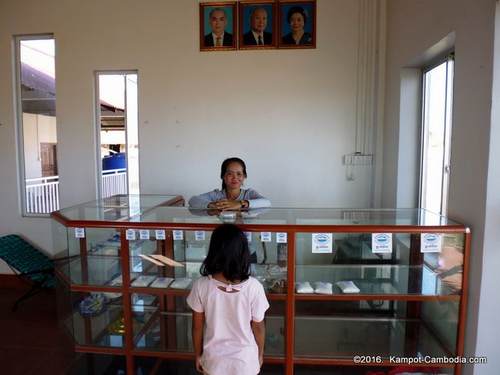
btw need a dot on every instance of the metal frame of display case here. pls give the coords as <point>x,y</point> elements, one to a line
<point>165,247</point>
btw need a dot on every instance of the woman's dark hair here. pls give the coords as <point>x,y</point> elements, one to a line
<point>294,10</point>
<point>228,253</point>
<point>225,164</point>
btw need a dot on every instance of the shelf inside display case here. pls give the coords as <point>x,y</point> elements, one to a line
<point>98,321</point>
<point>105,271</point>
<point>171,332</point>
<point>380,280</point>
<point>345,337</point>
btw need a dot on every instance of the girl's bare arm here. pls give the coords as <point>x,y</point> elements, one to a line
<point>259,332</point>
<point>198,322</point>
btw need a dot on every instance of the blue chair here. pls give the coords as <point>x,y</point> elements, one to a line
<point>28,263</point>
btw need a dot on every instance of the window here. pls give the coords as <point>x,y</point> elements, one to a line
<point>36,123</point>
<point>117,133</point>
<point>436,136</point>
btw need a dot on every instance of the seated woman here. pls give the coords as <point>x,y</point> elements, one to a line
<point>232,196</point>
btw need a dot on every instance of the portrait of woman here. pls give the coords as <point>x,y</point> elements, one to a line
<point>298,27</point>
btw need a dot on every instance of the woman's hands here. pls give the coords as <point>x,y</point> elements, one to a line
<point>226,204</point>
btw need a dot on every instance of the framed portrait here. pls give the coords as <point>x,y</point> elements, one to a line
<point>297,27</point>
<point>258,24</point>
<point>218,26</point>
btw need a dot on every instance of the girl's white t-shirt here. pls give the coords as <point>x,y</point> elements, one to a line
<point>229,345</point>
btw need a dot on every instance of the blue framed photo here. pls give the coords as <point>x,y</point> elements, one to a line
<point>297,24</point>
<point>258,23</point>
<point>218,26</point>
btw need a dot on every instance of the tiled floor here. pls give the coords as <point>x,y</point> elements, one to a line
<point>31,341</point>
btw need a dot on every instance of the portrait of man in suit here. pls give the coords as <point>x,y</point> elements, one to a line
<point>219,36</point>
<point>258,22</point>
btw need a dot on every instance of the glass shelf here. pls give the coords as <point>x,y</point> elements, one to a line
<point>92,270</point>
<point>170,330</point>
<point>345,337</point>
<point>115,208</point>
<point>384,279</point>
<point>302,216</point>
<point>104,327</point>
<point>152,209</point>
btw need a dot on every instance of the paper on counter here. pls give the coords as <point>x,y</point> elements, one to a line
<point>151,260</point>
<point>168,261</point>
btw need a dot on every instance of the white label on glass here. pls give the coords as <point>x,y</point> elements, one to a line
<point>322,243</point>
<point>144,234</point>
<point>80,232</point>
<point>249,236</point>
<point>160,234</point>
<point>178,235</point>
<point>381,242</point>
<point>265,236</point>
<point>199,235</point>
<point>281,237</point>
<point>430,243</point>
<point>130,234</point>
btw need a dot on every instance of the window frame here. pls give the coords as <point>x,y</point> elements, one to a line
<point>18,118</point>
<point>449,59</point>
<point>97,122</point>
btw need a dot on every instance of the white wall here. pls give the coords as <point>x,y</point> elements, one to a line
<point>36,129</point>
<point>113,137</point>
<point>32,160</point>
<point>414,26</point>
<point>289,114</point>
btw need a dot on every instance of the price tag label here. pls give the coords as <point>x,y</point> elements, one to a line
<point>160,234</point>
<point>199,235</point>
<point>322,243</point>
<point>265,236</point>
<point>281,237</point>
<point>249,236</point>
<point>144,234</point>
<point>178,235</point>
<point>130,234</point>
<point>430,243</point>
<point>381,242</point>
<point>80,232</point>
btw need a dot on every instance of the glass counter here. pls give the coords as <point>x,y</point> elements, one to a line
<point>340,282</point>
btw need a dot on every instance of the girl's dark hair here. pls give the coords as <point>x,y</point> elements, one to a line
<point>294,10</point>
<point>228,253</point>
<point>225,164</point>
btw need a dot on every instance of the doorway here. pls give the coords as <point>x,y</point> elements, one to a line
<point>117,133</point>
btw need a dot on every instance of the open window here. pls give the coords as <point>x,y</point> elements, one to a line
<point>437,104</point>
<point>117,133</point>
<point>36,123</point>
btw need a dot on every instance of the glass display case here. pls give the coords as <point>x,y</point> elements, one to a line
<point>351,291</point>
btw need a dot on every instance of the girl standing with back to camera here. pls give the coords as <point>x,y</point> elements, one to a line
<point>228,308</point>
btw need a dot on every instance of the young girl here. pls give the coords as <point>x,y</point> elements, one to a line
<point>230,305</point>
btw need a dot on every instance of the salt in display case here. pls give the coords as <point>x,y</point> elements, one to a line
<point>351,291</point>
